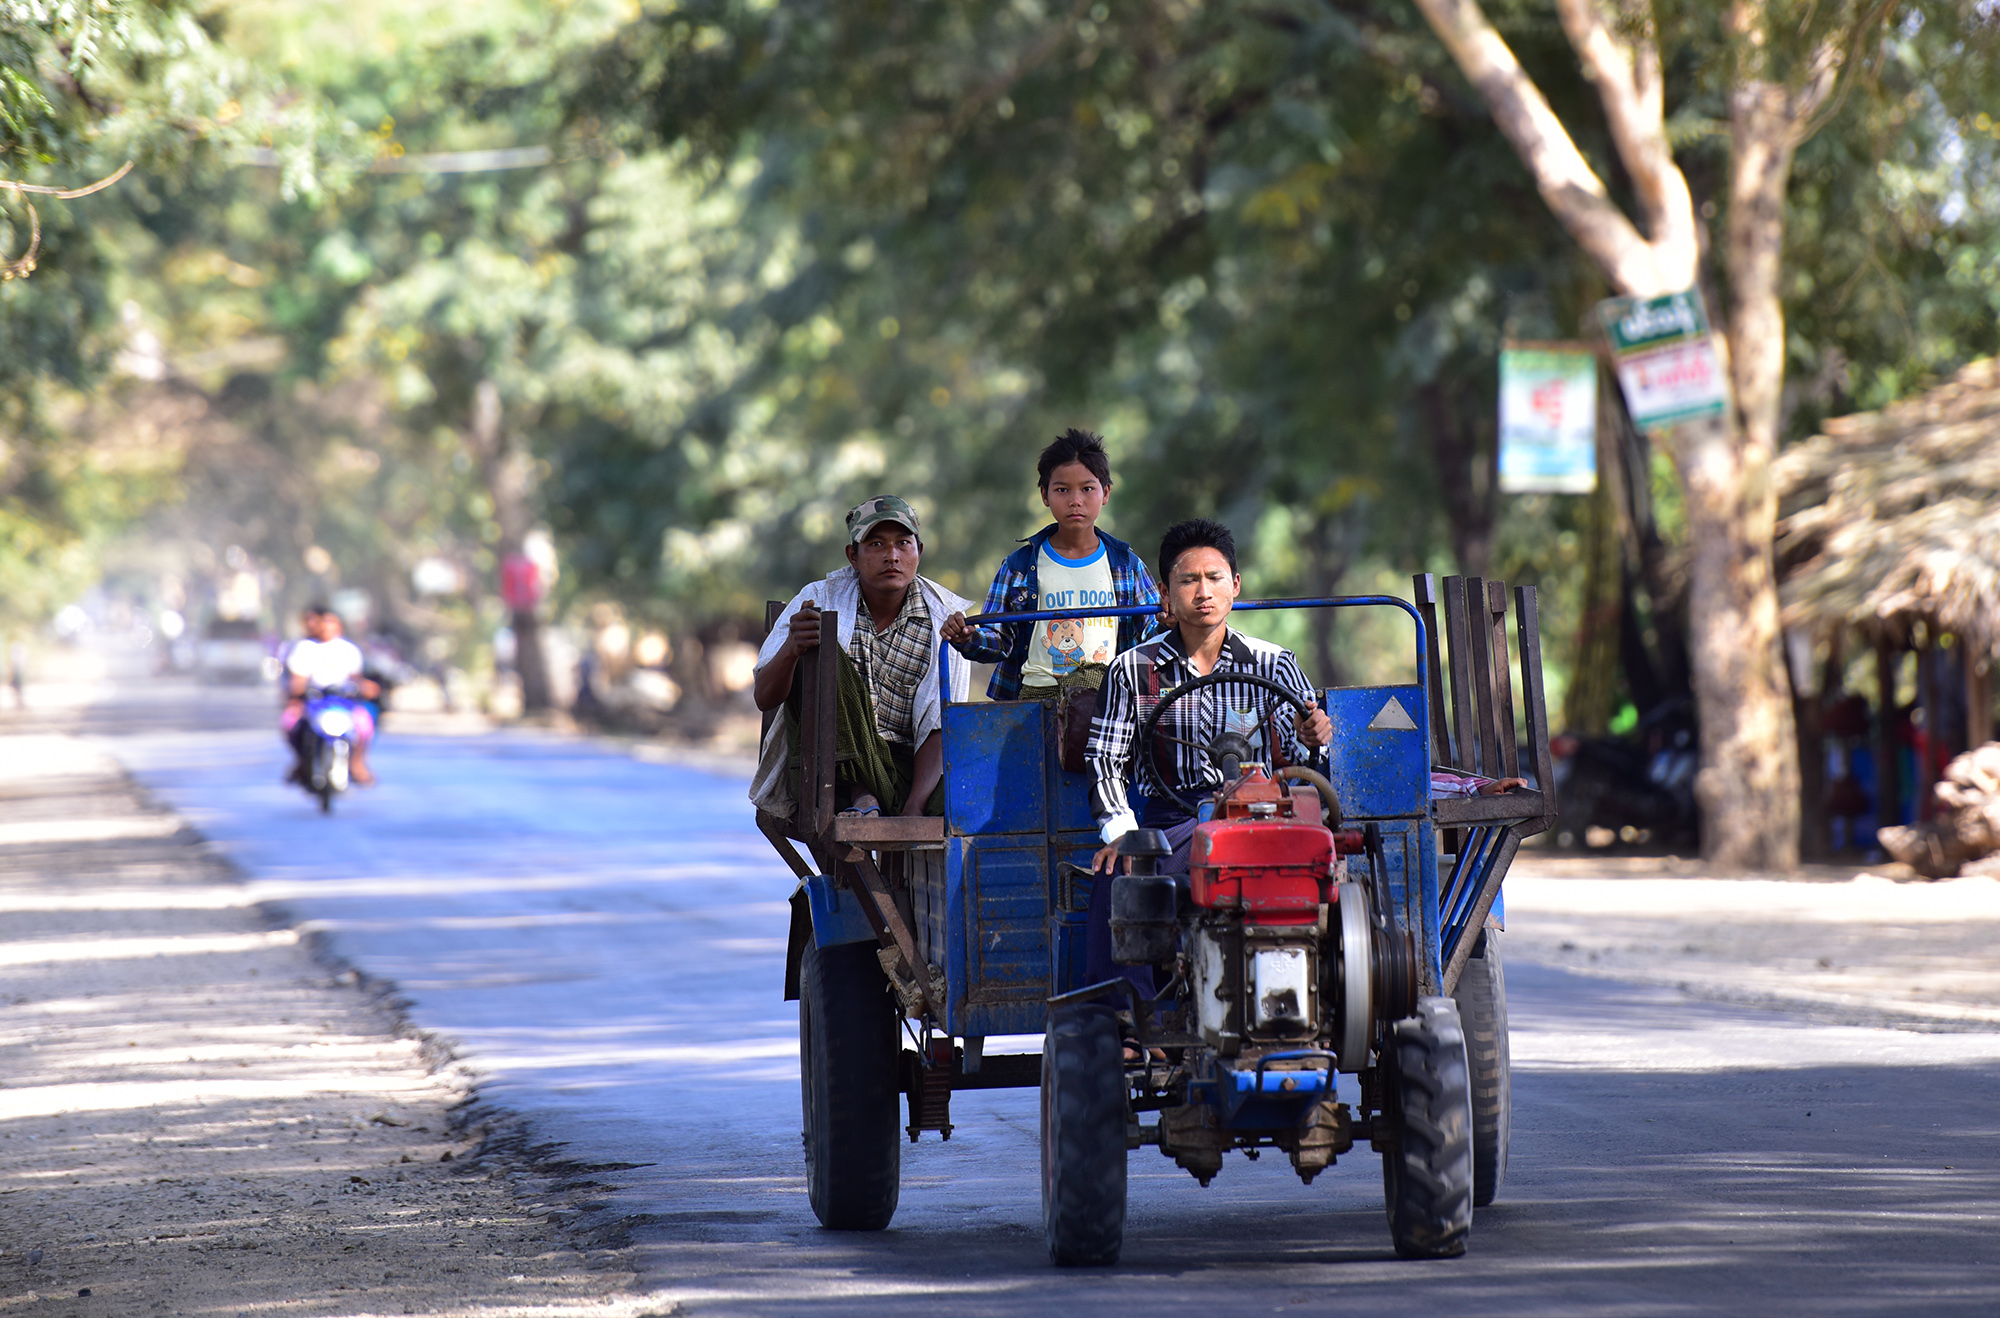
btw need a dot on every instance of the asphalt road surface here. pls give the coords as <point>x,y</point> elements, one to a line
<point>602,938</point>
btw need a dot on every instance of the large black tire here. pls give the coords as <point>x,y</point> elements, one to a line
<point>848,1048</point>
<point>1083,1136</point>
<point>1482,1011</point>
<point>1428,1177</point>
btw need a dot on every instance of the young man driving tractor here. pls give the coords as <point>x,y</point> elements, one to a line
<point>1198,565</point>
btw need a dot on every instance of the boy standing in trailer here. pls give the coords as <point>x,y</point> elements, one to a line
<point>1068,565</point>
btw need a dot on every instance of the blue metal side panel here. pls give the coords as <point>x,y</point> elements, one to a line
<point>953,964</point>
<point>836,915</point>
<point>1005,901</point>
<point>1066,928</point>
<point>1072,801</point>
<point>1409,851</point>
<point>993,757</point>
<point>1430,941</point>
<point>1384,773</point>
<point>928,878</point>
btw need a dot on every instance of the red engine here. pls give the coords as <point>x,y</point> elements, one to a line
<point>1267,855</point>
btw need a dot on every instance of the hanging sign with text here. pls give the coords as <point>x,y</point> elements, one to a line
<point>1548,420</point>
<point>1667,363</point>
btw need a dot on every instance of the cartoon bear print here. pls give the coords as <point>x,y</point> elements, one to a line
<point>1065,646</point>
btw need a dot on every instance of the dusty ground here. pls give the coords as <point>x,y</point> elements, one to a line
<point>199,1118</point>
<point>1843,945</point>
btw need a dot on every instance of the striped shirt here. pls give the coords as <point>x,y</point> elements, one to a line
<point>1125,702</point>
<point>893,663</point>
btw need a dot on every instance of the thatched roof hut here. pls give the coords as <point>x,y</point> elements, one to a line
<point>1893,517</point>
<point>1887,520</point>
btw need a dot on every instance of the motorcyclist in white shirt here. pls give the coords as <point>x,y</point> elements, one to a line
<point>326,660</point>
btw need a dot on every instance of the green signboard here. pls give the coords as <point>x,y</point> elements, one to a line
<point>1667,363</point>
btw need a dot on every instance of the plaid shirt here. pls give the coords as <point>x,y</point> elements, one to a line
<point>1017,589</point>
<point>893,663</point>
<point>1248,710</point>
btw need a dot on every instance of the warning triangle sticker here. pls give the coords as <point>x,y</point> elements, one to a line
<point>1392,717</point>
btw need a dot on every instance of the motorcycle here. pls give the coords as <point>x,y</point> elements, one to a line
<point>331,731</point>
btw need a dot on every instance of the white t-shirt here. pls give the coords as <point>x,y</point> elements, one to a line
<point>1058,648</point>
<point>325,663</point>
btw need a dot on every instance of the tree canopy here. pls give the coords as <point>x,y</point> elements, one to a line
<point>732,266</point>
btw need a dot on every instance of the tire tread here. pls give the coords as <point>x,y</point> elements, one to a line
<point>1083,1137</point>
<point>848,1059</point>
<point>1482,1009</point>
<point>1427,1179</point>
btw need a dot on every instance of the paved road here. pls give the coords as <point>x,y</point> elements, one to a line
<point>603,939</point>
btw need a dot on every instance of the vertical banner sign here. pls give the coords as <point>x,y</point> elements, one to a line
<point>1666,358</point>
<point>1548,421</point>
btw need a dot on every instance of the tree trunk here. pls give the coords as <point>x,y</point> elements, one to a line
<point>1748,786</point>
<point>1749,776</point>
<point>509,474</point>
<point>1468,474</point>
<point>1327,558</point>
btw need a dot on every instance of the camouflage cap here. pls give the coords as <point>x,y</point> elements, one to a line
<point>871,513</point>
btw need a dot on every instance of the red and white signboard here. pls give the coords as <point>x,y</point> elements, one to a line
<point>1667,363</point>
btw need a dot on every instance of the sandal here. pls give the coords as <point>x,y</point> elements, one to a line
<point>873,807</point>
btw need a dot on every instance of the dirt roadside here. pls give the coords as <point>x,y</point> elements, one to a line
<point>1840,946</point>
<point>197,1117</point>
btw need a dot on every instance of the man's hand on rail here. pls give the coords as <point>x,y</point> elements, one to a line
<point>803,633</point>
<point>954,628</point>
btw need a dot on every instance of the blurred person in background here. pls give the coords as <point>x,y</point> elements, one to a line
<point>325,660</point>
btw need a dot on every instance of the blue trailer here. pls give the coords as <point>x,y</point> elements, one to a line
<point>1341,919</point>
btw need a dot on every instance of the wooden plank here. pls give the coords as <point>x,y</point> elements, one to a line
<point>1487,744</point>
<point>1425,590</point>
<point>1459,656</point>
<point>881,832</point>
<point>778,832</point>
<point>1528,628</point>
<point>887,918</point>
<point>1503,681</point>
<point>818,671</point>
<point>1510,807</point>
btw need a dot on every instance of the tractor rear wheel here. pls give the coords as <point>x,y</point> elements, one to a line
<point>1482,1010</point>
<point>847,1079</point>
<point>1427,1177</point>
<point>1083,1136</point>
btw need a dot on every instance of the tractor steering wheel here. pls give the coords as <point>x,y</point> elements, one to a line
<point>1151,722</point>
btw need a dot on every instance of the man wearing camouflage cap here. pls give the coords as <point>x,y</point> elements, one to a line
<point>891,754</point>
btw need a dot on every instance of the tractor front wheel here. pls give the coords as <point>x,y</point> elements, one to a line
<point>1083,1136</point>
<point>847,1078</point>
<point>1427,1176</point>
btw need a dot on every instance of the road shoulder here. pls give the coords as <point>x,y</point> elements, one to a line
<point>198,1116</point>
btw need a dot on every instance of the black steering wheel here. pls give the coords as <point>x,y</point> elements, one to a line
<point>1148,725</point>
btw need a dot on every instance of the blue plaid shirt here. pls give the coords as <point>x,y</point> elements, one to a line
<point>1017,589</point>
